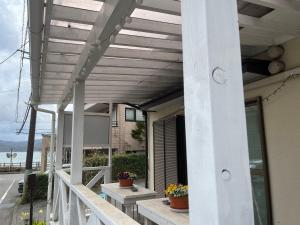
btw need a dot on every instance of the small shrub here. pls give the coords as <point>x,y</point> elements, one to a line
<point>134,163</point>
<point>40,191</point>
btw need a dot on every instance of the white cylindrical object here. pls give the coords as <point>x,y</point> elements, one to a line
<point>275,52</point>
<point>276,67</point>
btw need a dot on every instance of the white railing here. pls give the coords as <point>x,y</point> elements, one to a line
<point>91,208</point>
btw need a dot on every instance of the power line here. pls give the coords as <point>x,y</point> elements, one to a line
<point>11,55</point>
<point>25,116</point>
<point>23,40</point>
<point>281,86</point>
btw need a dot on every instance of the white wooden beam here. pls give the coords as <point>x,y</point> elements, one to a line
<point>56,47</point>
<point>116,70</point>
<point>116,77</point>
<point>76,15</point>
<point>75,34</point>
<point>217,150</point>
<point>77,132</point>
<point>118,62</point>
<point>111,15</point>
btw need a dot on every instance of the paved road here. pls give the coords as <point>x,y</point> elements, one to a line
<point>6,180</point>
<point>8,196</point>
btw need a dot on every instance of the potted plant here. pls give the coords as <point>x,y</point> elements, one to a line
<point>178,195</point>
<point>126,179</point>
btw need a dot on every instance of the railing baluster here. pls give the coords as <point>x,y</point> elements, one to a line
<point>81,212</point>
<point>64,202</point>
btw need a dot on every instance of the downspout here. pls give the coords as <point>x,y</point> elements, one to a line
<point>50,174</point>
<point>146,149</point>
<point>36,18</point>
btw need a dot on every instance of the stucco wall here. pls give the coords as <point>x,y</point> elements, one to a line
<point>282,128</point>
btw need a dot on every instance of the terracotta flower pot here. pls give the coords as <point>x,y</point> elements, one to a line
<point>126,182</point>
<point>179,202</point>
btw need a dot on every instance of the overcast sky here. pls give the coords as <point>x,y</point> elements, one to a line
<point>10,40</point>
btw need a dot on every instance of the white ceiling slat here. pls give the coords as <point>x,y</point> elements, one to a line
<point>101,92</point>
<point>118,77</point>
<point>93,88</point>
<point>165,6</point>
<point>133,83</point>
<point>143,25</point>
<point>54,47</point>
<point>116,70</point>
<point>268,25</point>
<point>110,15</point>
<point>75,15</point>
<point>105,61</point>
<point>67,76</point>
<point>250,39</point>
<point>65,33</point>
<point>143,54</point>
<point>75,34</point>
<point>136,71</point>
<point>147,42</point>
<point>278,4</point>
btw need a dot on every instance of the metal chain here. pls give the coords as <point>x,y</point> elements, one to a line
<point>280,87</point>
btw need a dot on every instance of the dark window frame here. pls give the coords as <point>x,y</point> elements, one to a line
<point>265,170</point>
<point>135,119</point>
<point>129,120</point>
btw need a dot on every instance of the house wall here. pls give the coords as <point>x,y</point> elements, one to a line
<point>282,129</point>
<point>121,135</point>
<point>164,110</point>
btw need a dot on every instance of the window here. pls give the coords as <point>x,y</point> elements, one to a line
<point>132,114</point>
<point>258,163</point>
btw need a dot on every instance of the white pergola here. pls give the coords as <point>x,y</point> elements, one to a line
<point>130,51</point>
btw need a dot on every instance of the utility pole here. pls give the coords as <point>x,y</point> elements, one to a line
<point>30,145</point>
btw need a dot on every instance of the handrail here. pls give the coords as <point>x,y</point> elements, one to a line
<point>93,168</point>
<point>104,211</point>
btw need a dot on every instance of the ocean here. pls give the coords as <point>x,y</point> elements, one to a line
<point>21,157</point>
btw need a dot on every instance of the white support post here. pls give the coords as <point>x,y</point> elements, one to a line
<point>59,140</point>
<point>107,177</point>
<point>58,156</point>
<point>77,146</point>
<point>217,150</point>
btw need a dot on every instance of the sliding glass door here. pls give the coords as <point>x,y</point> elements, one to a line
<point>258,163</point>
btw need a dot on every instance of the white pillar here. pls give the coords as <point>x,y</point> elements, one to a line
<point>58,158</point>
<point>59,140</point>
<point>108,173</point>
<point>76,146</point>
<point>216,138</point>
